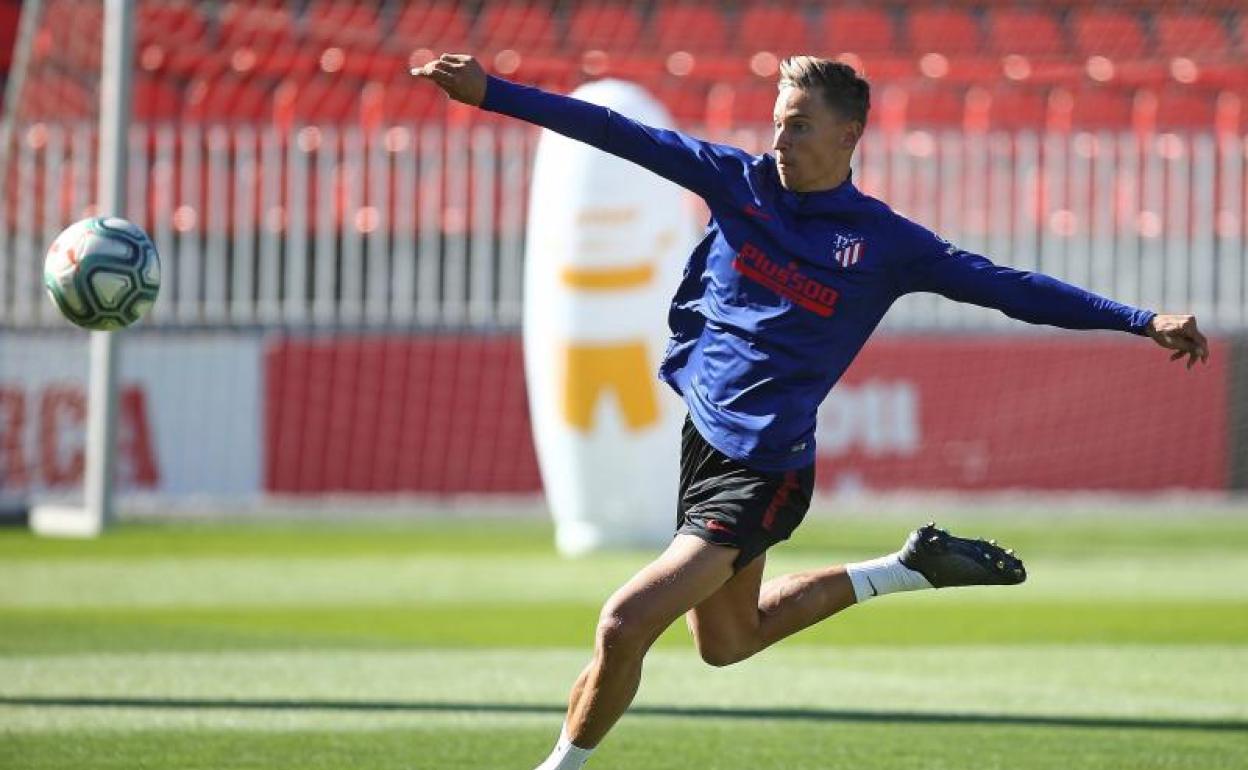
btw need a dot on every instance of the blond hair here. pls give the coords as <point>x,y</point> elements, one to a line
<point>839,84</point>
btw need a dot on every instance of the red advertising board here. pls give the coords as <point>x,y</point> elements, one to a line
<point>448,413</point>
<point>435,414</point>
<point>1062,412</point>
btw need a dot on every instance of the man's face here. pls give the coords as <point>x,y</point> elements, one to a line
<point>812,141</point>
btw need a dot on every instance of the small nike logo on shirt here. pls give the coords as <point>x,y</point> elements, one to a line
<point>873,591</point>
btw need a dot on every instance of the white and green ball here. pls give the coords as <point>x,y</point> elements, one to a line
<point>102,273</point>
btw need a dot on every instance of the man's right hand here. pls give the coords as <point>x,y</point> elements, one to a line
<point>1179,333</point>
<point>459,75</point>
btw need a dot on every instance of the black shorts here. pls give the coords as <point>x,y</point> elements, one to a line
<point>726,503</point>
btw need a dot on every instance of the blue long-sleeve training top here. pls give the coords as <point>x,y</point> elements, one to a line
<point>785,288</point>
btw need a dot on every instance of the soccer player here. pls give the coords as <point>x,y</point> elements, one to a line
<point>795,270</point>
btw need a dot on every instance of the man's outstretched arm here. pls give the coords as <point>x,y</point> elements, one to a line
<point>694,164</point>
<point>1041,299</point>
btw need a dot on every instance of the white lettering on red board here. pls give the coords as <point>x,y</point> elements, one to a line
<point>877,418</point>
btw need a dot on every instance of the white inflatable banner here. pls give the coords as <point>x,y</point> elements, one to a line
<point>607,242</point>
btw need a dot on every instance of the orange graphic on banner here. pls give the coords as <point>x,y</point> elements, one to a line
<point>608,278</point>
<point>592,371</point>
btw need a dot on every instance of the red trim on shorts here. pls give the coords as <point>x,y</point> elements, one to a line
<point>779,499</point>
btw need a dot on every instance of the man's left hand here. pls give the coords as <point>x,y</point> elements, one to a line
<point>1179,333</point>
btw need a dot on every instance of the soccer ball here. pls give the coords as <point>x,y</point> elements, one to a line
<point>102,273</point>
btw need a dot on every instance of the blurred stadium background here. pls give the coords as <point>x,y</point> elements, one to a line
<point>339,329</point>
<point>343,248</point>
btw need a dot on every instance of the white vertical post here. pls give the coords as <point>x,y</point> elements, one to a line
<point>324,305</point>
<point>950,199</point>
<point>54,219</point>
<point>481,259</point>
<point>511,228</point>
<point>1053,192</point>
<point>295,281</point>
<point>1177,262</point>
<point>1102,231</point>
<point>1001,203</point>
<point>115,87</point>
<point>403,302</point>
<point>6,254</point>
<point>111,196</point>
<point>163,195</point>
<point>273,218</point>
<point>1078,204</point>
<point>1026,208</point>
<point>138,181</point>
<point>455,245</point>
<point>379,279</point>
<point>242,304</point>
<point>1129,284</point>
<point>1231,226</point>
<point>189,255</point>
<point>1152,259</point>
<point>350,175</point>
<point>1200,195</point>
<point>24,250</point>
<point>923,198</point>
<point>216,219</point>
<point>429,265</point>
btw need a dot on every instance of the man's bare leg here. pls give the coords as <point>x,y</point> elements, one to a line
<point>746,615</point>
<point>684,575</point>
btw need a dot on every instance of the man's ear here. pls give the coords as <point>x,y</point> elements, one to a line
<point>851,134</point>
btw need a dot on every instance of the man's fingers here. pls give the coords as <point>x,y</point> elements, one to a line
<point>1176,355</point>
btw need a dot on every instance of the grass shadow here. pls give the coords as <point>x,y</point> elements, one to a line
<point>705,712</point>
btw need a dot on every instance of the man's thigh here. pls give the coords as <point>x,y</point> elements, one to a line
<point>731,613</point>
<point>683,576</point>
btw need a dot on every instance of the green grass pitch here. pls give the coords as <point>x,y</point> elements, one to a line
<point>451,644</point>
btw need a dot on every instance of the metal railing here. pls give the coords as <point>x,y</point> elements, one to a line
<point>424,226</point>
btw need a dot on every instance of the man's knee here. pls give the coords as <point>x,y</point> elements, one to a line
<point>722,651</point>
<point>623,631</point>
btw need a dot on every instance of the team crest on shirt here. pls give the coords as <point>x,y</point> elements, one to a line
<point>847,250</point>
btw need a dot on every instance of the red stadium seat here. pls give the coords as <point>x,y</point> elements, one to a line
<point>406,101</point>
<point>438,26</point>
<point>935,106</point>
<point>156,99</point>
<point>1017,108</point>
<point>780,30</point>
<point>861,30</point>
<point>943,30</point>
<point>685,99</point>
<point>680,27</point>
<point>343,22</point>
<point>1116,34</point>
<point>522,26</point>
<point>1186,109</point>
<point>243,23</point>
<point>10,13</point>
<point>228,98</point>
<point>753,104</point>
<point>1090,108</point>
<point>1191,35</point>
<point>169,23</point>
<point>611,27</point>
<point>327,100</point>
<point>1025,31</point>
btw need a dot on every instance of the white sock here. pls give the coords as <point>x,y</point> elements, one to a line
<point>884,575</point>
<point>566,755</point>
